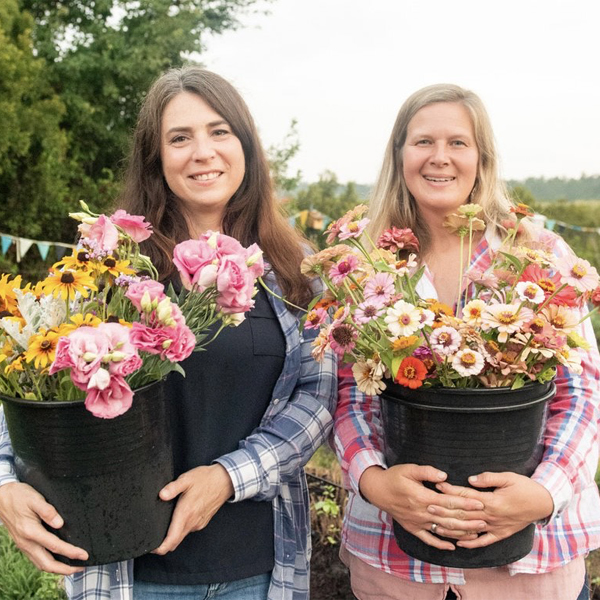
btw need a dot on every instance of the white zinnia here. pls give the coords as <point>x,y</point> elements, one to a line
<point>368,375</point>
<point>468,362</point>
<point>530,291</point>
<point>472,312</point>
<point>506,318</point>
<point>403,319</point>
<point>445,340</point>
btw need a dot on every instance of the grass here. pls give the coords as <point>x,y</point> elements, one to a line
<point>20,580</point>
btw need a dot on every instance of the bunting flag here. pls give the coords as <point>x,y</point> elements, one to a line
<point>60,251</point>
<point>43,248</point>
<point>6,243</point>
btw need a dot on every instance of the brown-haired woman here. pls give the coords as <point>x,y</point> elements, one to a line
<point>252,408</point>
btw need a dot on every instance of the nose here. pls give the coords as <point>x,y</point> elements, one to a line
<point>203,149</point>
<point>439,155</point>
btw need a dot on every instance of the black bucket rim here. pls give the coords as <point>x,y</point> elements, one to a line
<point>414,398</point>
<point>56,403</point>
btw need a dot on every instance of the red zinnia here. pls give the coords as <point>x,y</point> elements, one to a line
<point>550,283</point>
<point>411,373</point>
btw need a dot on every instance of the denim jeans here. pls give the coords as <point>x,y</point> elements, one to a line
<point>252,588</point>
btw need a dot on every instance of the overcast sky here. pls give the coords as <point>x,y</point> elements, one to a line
<point>342,68</point>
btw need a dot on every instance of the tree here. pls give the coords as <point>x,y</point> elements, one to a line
<point>80,69</point>
<point>279,159</point>
<point>32,142</point>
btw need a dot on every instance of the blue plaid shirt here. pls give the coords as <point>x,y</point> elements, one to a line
<point>266,466</point>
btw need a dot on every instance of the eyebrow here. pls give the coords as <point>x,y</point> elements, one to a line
<point>188,129</point>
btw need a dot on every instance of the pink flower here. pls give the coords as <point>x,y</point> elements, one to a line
<point>395,239</point>
<point>315,318</point>
<point>83,351</point>
<point>134,226</point>
<point>367,311</point>
<point>353,229</point>
<point>111,401</point>
<point>380,287</point>
<point>103,235</point>
<point>255,261</point>
<point>194,260</point>
<point>123,356</point>
<point>578,272</point>
<point>343,268</point>
<point>135,292</point>
<point>342,338</point>
<point>170,343</point>
<point>235,284</point>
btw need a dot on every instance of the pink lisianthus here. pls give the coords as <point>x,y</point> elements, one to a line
<point>171,343</point>
<point>135,292</point>
<point>255,261</point>
<point>111,401</point>
<point>82,351</point>
<point>196,262</point>
<point>235,285</point>
<point>103,235</point>
<point>134,226</point>
<point>123,358</point>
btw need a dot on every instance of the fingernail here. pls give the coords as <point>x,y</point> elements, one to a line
<point>431,510</point>
<point>440,475</point>
<point>56,522</point>
<point>473,478</point>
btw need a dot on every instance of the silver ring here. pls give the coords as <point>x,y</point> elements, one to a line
<point>433,527</point>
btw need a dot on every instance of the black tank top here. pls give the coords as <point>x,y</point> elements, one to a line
<point>221,400</point>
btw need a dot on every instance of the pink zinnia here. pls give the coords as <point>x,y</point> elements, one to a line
<point>578,272</point>
<point>342,338</point>
<point>367,311</point>
<point>380,288</point>
<point>395,239</point>
<point>353,229</point>
<point>343,268</point>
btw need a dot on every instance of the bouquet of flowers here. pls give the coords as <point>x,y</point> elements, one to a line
<point>100,324</point>
<point>514,323</point>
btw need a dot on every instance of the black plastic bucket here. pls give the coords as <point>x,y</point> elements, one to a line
<point>464,432</point>
<point>102,475</point>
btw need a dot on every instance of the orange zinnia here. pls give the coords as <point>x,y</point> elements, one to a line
<point>411,373</point>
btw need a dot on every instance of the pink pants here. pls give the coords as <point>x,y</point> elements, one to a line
<point>564,583</point>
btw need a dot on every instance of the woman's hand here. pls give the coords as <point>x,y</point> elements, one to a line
<point>202,491</point>
<point>515,502</point>
<point>22,511</point>
<point>400,492</point>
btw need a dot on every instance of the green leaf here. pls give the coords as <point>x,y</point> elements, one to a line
<point>512,259</point>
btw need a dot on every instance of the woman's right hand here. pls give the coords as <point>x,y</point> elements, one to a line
<point>22,511</point>
<point>400,492</point>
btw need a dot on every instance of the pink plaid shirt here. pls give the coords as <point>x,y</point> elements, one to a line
<point>567,470</point>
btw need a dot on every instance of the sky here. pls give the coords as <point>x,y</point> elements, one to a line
<point>342,69</point>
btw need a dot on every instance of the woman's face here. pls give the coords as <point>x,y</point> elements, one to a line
<point>440,158</point>
<point>203,161</point>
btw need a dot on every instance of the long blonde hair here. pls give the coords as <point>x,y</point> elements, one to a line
<point>391,201</point>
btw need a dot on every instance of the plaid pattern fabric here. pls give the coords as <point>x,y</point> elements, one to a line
<point>266,466</point>
<point>570,460</point>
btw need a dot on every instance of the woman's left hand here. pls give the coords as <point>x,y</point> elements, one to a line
<point>202,491</point>
<point>515,502</point>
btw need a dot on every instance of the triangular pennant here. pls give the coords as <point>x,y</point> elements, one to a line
<point>60,251</point>
<point>6,243</point>
<point>550,223</point>
<point>43,247</point>
<point>23,245</point>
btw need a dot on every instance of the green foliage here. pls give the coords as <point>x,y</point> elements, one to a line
<point>587,187</point>
<point>73,77</point>
<point>279,159</point>
<point>20,580</point>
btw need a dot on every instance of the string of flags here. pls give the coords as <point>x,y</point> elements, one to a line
<point>23,245</point>
<point>310,218</point>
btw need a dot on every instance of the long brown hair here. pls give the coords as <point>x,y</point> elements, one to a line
<point>391,201</point>
<point>252,215</point>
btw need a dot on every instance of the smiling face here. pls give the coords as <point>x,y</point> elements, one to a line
<point>203,161</point>
<point>440,158</point>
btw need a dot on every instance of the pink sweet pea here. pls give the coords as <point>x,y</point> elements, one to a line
<point>103,235</point>
<point>111,401</point>
<point>135,292</point>
<point>134,226</point>
<point>194,261</point>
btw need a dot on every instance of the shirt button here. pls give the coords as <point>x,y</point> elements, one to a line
<point>276,401</point>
